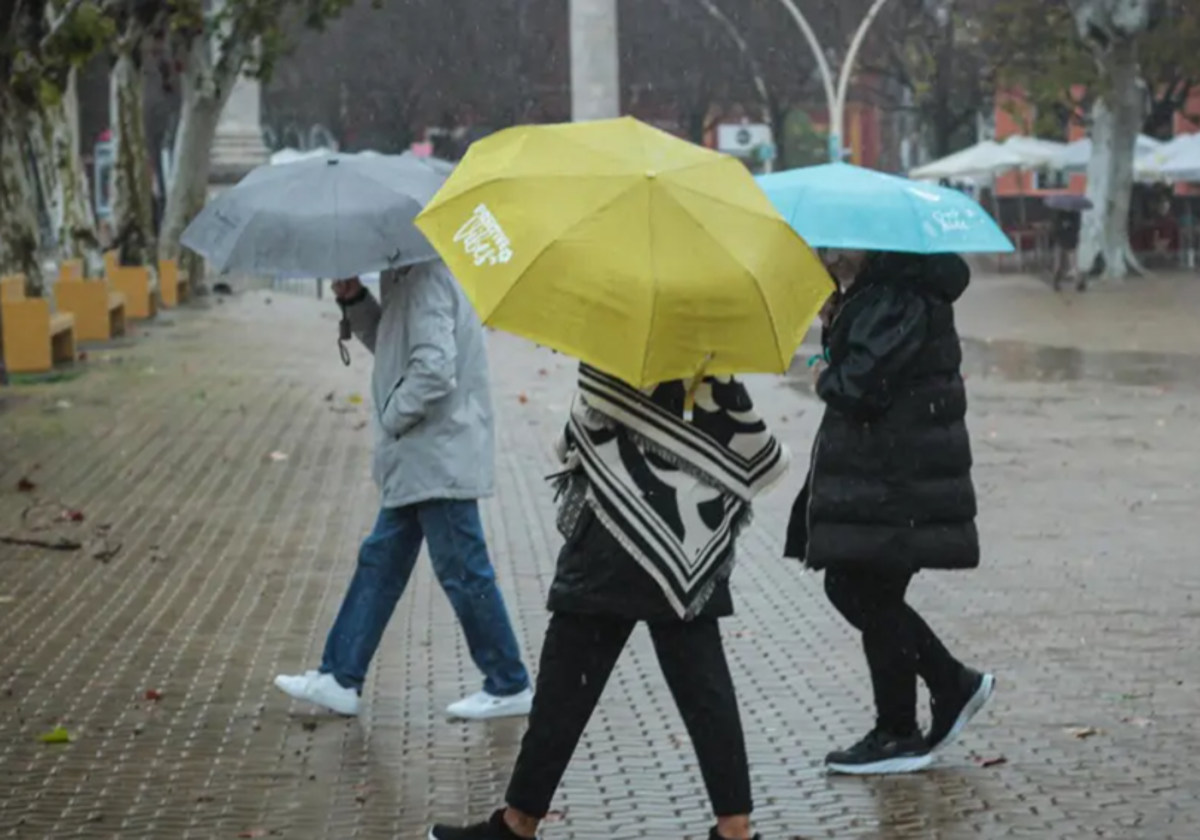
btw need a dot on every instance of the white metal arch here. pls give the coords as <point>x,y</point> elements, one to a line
<point>835,93</point>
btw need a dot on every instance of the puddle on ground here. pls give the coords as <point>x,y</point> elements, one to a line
<point>1019,361</point>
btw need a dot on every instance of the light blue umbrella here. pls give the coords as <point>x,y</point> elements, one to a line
<point>838,205</point>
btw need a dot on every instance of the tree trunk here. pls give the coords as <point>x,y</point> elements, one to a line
<point>1104,246</point>
<point>204,92</point>
<point>78,239</point>
<point>133,201</point>
<point>193,147</point>
<point>19,229</point>
<point>54,137</point>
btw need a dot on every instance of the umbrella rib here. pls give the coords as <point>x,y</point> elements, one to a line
<point>654,287</point>
<point>757,286</point>
<point>771,214</point>
<point>337,241</point>
<point>250,222</point>
<point>550,243</point>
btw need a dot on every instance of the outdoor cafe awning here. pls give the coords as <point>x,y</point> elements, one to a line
<point>983,160</point>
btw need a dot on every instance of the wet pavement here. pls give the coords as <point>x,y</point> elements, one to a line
<point>220,467</point>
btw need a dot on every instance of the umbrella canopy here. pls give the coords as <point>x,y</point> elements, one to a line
<point>330,216</point>
<point>639,253</point>
<point>1035,152</point>
<point>1076,155</point>
<point>437,164</point>
<point>981,160</point>
<point>290,155</point>
<point>1176,160</point>
<point>837,205</point>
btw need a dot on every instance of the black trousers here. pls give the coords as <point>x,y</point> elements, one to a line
<point>898,643</point>
<point>578,657</point>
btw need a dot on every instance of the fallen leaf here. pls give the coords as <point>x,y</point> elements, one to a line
<point>543,372</point>
<point>1140,722</point>
<point>991,762</point>
<point>354,399</point>
<point>329,397</point>
<point>278,456</point>
<point>60,544</point>
<point>522,398</point>
<point>25,486</point>
<point>57,735</point>
<point>309,726</point>
<point>1082,732</point>
<point>72,516</point>
<point>83,357</point>
<point>360,425</point>
<point>254,832</point>
<point>105,552</point>
<point>153,694</point>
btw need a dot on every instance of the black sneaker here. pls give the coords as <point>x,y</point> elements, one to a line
<point>952,714</point>
<point>881,753</point>
<point>493,829</point>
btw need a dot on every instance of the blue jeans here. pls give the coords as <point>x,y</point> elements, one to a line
<point>460,561</point>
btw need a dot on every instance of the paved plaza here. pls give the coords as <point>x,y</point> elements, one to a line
<point>214,471</point>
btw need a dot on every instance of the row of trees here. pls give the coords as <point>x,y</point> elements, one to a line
<point>201,45</point>
<point>938,63</point>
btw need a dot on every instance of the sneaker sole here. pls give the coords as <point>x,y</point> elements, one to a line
<point>303,698</point>
<point>496,715</point>
<point>974,706</point>
<point>887,767</point>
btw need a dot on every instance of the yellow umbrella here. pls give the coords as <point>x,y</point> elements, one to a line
<point>641,254</point>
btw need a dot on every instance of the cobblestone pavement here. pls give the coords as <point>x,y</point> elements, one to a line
<point>231,559</point>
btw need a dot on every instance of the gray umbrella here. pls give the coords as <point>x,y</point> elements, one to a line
<point>336,216</point>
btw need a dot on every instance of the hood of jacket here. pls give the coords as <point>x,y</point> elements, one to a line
<point>942,276</point>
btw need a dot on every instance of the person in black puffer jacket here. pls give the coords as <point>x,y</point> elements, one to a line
<point>889,491</point>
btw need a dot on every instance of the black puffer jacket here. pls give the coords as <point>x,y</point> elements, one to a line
<point>890,481</point>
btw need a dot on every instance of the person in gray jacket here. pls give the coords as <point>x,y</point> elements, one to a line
<point>433,461</point>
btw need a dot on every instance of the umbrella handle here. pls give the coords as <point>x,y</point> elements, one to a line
<point>344,333</point>
<point>689,400</point>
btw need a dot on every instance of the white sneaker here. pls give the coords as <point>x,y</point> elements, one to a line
<point>320,689</point>
<point>484,706</point>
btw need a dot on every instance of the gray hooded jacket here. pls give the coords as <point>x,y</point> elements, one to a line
<point>434,430</point>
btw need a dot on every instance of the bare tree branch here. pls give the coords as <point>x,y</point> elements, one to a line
<point>71,8</point>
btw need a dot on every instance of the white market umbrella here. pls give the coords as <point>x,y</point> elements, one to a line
<point>333,216</point>
<point>1172,160</point>
<point>1184,164</point>
<point>1077,155</point>
<point>1035,152</point>
<point>984,159</point>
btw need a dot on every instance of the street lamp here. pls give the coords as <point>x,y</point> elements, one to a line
<point>835,94</point>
